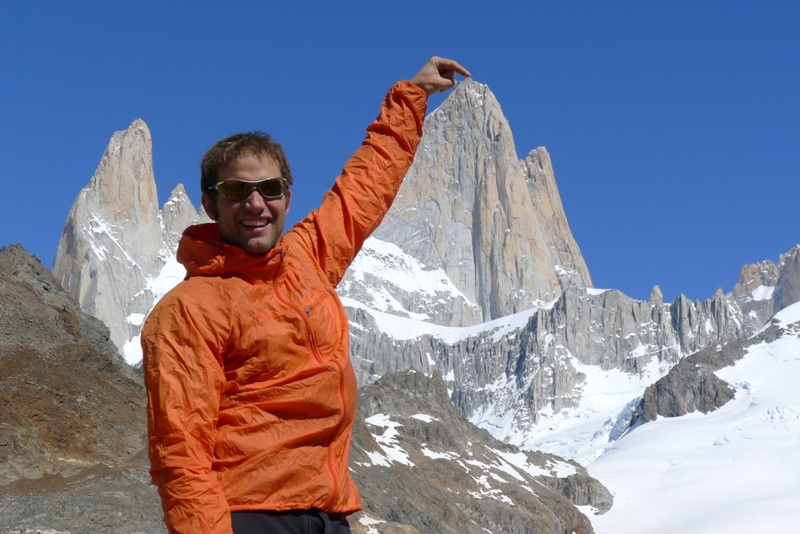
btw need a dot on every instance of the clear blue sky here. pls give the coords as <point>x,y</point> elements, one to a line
<point>674,127</point>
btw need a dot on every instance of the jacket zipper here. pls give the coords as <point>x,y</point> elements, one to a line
<point>317,356</point>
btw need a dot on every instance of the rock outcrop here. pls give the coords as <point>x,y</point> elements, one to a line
<point>765,288</point>
<point>690,386</point>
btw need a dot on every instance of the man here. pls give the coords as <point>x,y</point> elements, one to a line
<point>251,393</point>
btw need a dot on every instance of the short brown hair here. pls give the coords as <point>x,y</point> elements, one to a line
<point>227,150</point>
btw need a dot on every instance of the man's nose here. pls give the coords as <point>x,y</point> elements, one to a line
<point>255,200</point>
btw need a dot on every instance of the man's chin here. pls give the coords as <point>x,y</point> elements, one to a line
<point>256,247</point>
<point>259,242</point>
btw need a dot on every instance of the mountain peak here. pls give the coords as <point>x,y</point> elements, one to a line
<point>115,238</point>
<point>472,93</point>
<point>491,223</point>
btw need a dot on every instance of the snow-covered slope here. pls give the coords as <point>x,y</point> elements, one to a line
<point>168,277</point>
<point>734,470</point>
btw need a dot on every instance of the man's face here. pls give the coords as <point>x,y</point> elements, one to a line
<point>254,223</point>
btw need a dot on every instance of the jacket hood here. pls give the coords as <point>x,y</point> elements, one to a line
<point>203,253</point>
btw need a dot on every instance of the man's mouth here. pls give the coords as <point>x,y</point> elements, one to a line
<point>257,223</point>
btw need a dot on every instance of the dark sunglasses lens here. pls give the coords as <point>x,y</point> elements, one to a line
<point>238,190</point>
<point>234,190</point>
<point>271,188</point>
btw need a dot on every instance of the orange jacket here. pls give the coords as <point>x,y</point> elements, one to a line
<point>251,393</point>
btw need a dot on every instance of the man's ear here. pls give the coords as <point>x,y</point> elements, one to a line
<point>288,195</point>
<point>210,206</point>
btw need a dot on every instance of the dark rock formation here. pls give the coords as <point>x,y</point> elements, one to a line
<point>72,435</point>
<point>692,386</point>
<point>464,480</point>
<point>69,400</point>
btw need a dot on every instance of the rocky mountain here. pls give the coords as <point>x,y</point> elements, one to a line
<point>116,240</point>
<point>73,445</point>
<point>412,433</point>
<point>474,275</point>
<point>59,372</point>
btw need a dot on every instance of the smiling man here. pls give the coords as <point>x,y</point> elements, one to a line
<point>251,393</point>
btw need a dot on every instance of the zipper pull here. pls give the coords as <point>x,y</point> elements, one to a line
<point>308,311</point>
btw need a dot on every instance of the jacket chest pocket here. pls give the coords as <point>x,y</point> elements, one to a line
<point>286,340</point>
<point>323,313</point>
<point>320,312</point>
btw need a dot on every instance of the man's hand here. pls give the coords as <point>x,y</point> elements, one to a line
<point>438,74</point>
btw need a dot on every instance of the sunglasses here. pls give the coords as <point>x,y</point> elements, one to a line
<point>241,189</point>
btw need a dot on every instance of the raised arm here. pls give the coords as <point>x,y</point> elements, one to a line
<point>363,193</point>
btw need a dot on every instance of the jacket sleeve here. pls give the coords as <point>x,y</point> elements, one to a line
<point>364,192</point>
<point>184,381</point>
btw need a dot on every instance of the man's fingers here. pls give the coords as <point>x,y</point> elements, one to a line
<point>438,74</point>
<point>448,67</point>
